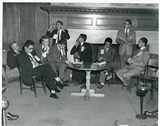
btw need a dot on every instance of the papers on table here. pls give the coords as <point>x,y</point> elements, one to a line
<point>101,63</point>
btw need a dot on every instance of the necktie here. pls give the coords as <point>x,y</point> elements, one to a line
<point>33,61</point>
<point>127,32</point>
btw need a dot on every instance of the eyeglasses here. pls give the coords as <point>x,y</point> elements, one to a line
<point>30,48</point>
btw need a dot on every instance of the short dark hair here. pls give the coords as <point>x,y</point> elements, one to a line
<point>10,45</point>
<point>84,36</point>
<point>129,21</point>
<point>144,40</point>
<point>28,43</point>
<point>43,37</point>
<point>108,39</point>
<point>59,22</point>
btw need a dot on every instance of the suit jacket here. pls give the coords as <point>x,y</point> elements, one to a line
<point>39,53</point>
<point>11,59</point>
<point>26,66</point>
<point>140,59</point>
<point>86,55</point>
<point>107,56</point>
<point>121,37</point>
<point>64,36</point>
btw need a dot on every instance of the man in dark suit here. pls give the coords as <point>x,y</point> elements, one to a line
<point>12,55</point>
<point>58,34</point>
<point>31,65</point>
<point>54,55</point>
<point>82,49</point>
<point>83,52</point>
<point>106,58</point>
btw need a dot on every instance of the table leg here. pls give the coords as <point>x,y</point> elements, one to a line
<point>88,76</point>
<point>88,92</point>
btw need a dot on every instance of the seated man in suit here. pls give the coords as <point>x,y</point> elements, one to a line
<point>106,57</point>
<point>43,49</point>
<point>56,56</point>
<point>136,64</point>
<point>83,52</point>
<point>83,49</point>
<point>12,55</point>
<point>31,65</point>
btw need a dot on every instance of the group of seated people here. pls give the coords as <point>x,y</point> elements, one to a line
<point>48,59</point>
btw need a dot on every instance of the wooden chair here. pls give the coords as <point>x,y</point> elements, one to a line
<point>33,86</point>
<point>4,66</point>
<point>150,75</point>
<point>5,105</point>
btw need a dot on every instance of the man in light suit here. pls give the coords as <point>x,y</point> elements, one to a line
<point>126,37</point>
<point>58,34</point>
<point>136,63</point>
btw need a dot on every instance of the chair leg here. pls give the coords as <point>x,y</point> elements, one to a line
<point>34,89</point>
<point>6,77</point>
<point>21,88</point>
<point>44,87</point>
<point>151,91</point>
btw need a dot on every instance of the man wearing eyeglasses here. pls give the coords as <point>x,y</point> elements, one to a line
<point>31,65</point>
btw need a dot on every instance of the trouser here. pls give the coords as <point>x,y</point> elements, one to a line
<point>127,72</point>
<point>47,74</point>
<point>125,51</point>
<point>103,73</point>
<point>61,70</point>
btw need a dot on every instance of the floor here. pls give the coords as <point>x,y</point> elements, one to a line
<point>117,108</point>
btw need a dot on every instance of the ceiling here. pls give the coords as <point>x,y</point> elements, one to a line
<point>112,5</point>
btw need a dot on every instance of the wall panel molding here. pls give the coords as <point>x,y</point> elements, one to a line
<point>102,17</point>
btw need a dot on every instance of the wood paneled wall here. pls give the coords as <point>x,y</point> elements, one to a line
<point>103,18</point>
<point>23,21</point>
<point>11,23</point>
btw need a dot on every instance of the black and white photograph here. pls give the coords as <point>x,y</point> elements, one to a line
<point>79,63</point>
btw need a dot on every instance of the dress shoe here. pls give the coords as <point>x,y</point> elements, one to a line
<point>150,114</point>
<point>57,90</point>
<point>100,86</point>
<point>27,86</point>
<point>54,95</point>
<point>12,116</point>
<point>108,77</point>
<point>60,85</point>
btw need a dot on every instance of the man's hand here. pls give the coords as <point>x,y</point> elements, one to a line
<point>100,59</point>
<point>130,61</point>
<point>51,27</point>
<point>57,79</point>
<point>77,42</point>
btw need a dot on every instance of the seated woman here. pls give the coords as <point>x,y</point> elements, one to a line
<point>12,55</point>
<point>136,64</point>
<point>31,65</point>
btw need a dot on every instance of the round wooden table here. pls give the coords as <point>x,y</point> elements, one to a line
<point>88,69</point>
